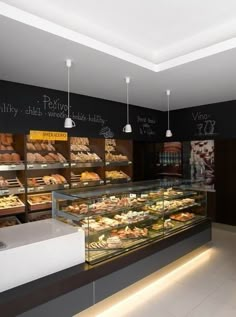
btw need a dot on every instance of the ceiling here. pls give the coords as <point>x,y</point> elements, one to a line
<point>186,46</point>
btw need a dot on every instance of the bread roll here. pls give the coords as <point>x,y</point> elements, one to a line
<point>38,147</point>
<point>15,157</point>
<point>49,159</point>
<point>9,148</point>
<point>6,157</point>
<point>31,158</point>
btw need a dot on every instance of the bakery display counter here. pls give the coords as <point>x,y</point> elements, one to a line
<point>123,217</point>
<point>27,245</point>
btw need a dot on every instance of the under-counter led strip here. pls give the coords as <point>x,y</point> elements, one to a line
<point>162,282</point>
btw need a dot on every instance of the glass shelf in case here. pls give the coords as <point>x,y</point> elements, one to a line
<point>123,217</point>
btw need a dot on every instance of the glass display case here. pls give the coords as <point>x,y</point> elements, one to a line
<point>124,217</point>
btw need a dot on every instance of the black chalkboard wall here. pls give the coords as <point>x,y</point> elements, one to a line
<point>24,107</point>
<point>213,121</point>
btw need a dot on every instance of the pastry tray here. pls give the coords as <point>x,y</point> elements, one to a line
<point>182,220</point>
<point>13,210</point>
<point>40,205</point>
<point>41,186</point>
<point>14,187</point>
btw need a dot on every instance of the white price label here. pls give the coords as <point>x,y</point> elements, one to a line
<point>144,195</point>
<point>30,166</point>
<point>21,190</point>
<point>85,183</point>
<point>12,166</point>
<point>107,163</point>
<point>30,189</point>
<point>101,182</point>
<point>66,186</point>
<point>41,188</point>
<point>65,164</point>
<point>73,164</point>
<point>44,165</point>
<point>129,162</point>
<point>132,195</point>
<point>108,181</point>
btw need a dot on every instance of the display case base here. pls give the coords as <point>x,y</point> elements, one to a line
<point>68,292</point>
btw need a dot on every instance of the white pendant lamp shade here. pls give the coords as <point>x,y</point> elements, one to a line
<point>127,128</point>
<point>69,123</point>
<point>168,131</point>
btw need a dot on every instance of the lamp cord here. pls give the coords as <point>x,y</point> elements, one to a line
<point>68,82</point>
<point>127,103</point>
<point>168,103</point>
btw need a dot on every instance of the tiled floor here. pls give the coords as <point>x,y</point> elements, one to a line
<point>204,288</point>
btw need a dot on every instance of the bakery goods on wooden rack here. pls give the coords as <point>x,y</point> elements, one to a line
<point>8,155</point>
<point>115,174</point>
<point>81,151</point>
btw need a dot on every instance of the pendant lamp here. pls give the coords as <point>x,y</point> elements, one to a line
<point>69,123</point>
<point>168,131</point>
<point>127,128</point>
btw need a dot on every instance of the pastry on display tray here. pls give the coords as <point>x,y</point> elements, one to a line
<point>89,176</point>
<point>103,243</point>
<point>10,158</point>
<point>10,201</point>
<point>40,146</point>
<point>79,144</point>
<point>85,157</point>
<point>106,204</point>
<point>168,205</point>
<point>39,199</point>
<point>167,224</point>
<point>45,158</point>
<point>115,157</point>
<point>129,233</point>
<point>184,216</point>
<point>115,174</point>
<point>54,179</point>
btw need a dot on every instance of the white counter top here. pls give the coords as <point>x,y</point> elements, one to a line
<point>32,232</point>
<point>37,249</point>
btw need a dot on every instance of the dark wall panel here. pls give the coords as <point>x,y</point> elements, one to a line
<point>24,107</point>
